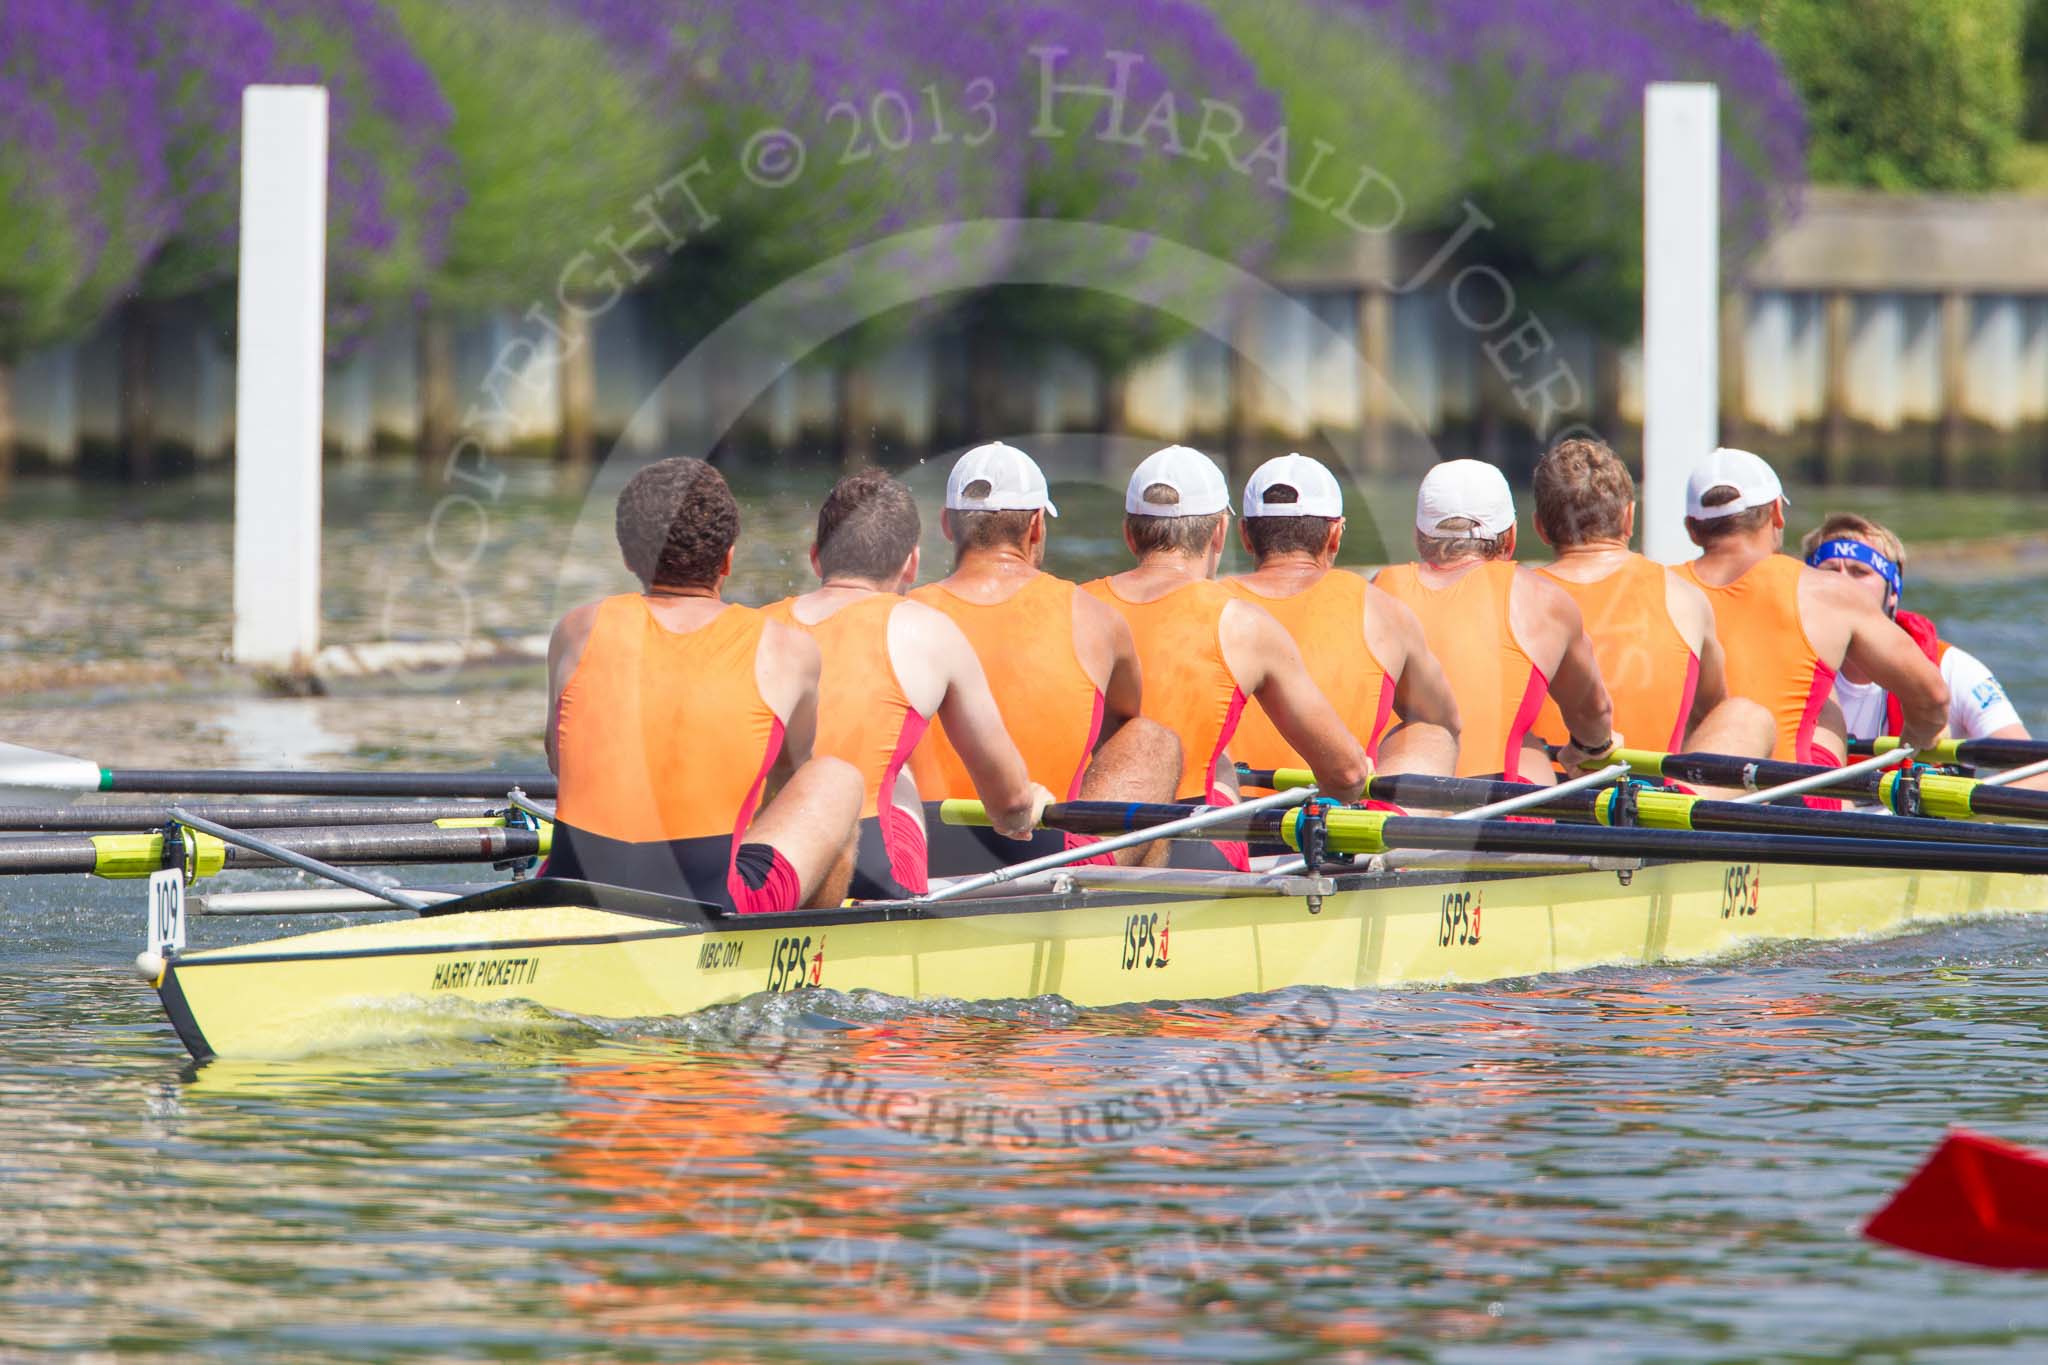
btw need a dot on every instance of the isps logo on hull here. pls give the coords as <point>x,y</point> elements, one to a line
<point>1145,940</point>
<point>794,965</point>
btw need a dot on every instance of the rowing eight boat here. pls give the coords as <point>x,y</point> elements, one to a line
<point>1099,936</point>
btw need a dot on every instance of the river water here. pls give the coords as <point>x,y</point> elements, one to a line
<point>1658,1163</point>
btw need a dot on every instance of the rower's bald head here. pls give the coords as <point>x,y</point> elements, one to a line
<point>676,523</point>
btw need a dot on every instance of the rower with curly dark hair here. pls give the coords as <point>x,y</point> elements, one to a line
<point>681,724</point>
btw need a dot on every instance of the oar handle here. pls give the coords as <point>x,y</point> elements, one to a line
<point>1275,779</point>
<point>1977,753</point>
<point>1079,817</point>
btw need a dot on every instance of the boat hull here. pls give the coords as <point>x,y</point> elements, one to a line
<point>315,992</point>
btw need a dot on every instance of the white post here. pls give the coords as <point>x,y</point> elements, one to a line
<point>1681,303</point>
<point>278,361</point>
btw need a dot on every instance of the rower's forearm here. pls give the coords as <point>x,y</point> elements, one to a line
<point>1922,721</point>
<point>1343,776</point>
<point>1589,716</point>
<point>1009,803</point>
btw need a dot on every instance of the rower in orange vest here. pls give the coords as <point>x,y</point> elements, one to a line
<point>1062,667</point>
<point>1206,652</point>
<point>1790,628</point>
<point>1506,636</point>
<point>672,710</point>
<point>1652,630</point>
<point>1364,649</point>
<point>890,665</point>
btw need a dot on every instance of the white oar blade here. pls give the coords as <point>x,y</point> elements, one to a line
<point>38,777</point>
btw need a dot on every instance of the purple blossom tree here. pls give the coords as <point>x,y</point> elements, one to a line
<point>1131,160</point>
<point>81,166</point>
<point>894,104</point>
<point>390,191</point>
<point>1542,108</point>
<point>557,126</point>
<point>81,175</point>
<point>562,129</point>
<point>1364,138</point>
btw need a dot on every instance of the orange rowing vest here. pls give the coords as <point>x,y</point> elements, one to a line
<point>664,735</point>
<point>1498,686</point>
<point>1650,671</point>
<point>1188,687</point>
<point>1327,621</point>
<point>864,716</point>
<point>1770,660</point>
<point>1049,704</point>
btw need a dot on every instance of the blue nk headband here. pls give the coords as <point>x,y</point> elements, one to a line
<point>1862,554</point>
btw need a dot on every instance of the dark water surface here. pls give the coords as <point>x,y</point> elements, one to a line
<point>1661,1163</point>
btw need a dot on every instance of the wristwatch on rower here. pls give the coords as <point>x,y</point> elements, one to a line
<point>1590,754</point>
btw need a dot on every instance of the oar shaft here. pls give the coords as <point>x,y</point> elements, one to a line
<point>1731,770</point>
<point>1504,836</point>
<point>1358,831</point>
<point>1658,809</point>
<point>138,855</point>
<point>1661,809</point>
<point>237,782</point>
<point>1942,795</point>
<point>244,814</point>
<point>1975,753</point>
<point>1182,822</point>
<point>291,857</point>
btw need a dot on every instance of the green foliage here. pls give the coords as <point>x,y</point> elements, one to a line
<point>1341,84</point>
<point>2034,70</point>
<point>1901,94</point>
<point>42,262</point>
<point>553,144</point>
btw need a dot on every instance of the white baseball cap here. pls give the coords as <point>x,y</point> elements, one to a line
<point>1316,490</point>
<point>1470,489</point>
<point>1755,484</point>
<point>1186,471</point>
<point>1015,482</point>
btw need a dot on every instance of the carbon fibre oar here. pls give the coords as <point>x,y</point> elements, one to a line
<point>1658,808</point>
<point>251,814</point>
<point>1943,796</point>
<point>1369,832</point>
<point>1972,753</point>
<point>36,775</point>
<point>138,855</point>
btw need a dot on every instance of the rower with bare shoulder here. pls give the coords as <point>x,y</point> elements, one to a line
<point>672,712</point>
<point>1790,628</point>
<point>1061,665</point>
<point>890,667</point>
<point>1205,651</point>
<point>1652,629</point>
<point>1507,637</point>
<point>1364,649</point>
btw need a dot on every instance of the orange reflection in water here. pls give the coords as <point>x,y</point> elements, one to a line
<point>756,1189</point>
